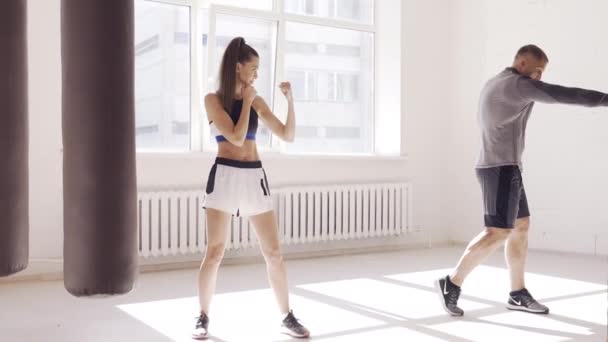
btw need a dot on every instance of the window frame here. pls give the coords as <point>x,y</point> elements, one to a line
<point>199,70</point>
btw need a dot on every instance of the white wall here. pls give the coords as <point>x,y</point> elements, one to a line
<point>565,160</point>
<point>388,85</point>
<point>46,192</point>
<point>461,196</point>
<point>426,28</point>
<point>448,51</point>
<point>421,122</point>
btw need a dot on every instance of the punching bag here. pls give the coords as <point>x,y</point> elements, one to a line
<point>14,219</point>
<point>98,120</point>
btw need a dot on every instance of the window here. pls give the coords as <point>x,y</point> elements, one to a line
<point>162,76</point>
<point>261,35</point>
<point>348,86</point>
<point>323,47</point>
<point>352,10</point>
<point>253,4</point>
<point>335,68</point>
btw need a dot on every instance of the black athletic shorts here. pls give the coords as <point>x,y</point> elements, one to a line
<point>504,197</point>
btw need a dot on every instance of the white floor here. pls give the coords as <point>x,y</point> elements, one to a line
<point>371,297</point>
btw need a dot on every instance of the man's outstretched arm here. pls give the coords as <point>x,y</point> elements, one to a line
<point>533,90</point>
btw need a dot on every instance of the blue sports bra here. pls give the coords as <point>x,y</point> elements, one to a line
<point>235,114</point>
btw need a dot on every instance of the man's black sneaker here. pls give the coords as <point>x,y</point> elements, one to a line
<point>448,295</point>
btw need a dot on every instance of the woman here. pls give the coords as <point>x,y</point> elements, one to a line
<point>237,183</point>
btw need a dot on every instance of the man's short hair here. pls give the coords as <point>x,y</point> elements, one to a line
<point>534,51</point>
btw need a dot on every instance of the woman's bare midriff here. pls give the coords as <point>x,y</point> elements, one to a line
<point>247,152</point>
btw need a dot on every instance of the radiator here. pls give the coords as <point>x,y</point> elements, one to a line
<point>173,222</point>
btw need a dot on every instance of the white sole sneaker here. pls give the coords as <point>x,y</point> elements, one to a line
<point>200,336</point>
<point>286,331</point>
<point>442,300</point>
<point>524,309</point>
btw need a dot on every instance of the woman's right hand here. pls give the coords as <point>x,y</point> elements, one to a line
<point>249,94</point>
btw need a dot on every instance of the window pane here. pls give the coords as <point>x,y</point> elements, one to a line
<point>261,35</point>
<point>254,4</point>
<point>162,76</point>
<point>334,103</point>
<point>347,87</point>
<point>298,84</point>
<point>361,11</point>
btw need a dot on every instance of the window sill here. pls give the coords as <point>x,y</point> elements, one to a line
<point>274,156</point>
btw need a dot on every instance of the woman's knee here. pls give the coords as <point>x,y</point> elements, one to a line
<point>273,255</point>
<point>214,255</point>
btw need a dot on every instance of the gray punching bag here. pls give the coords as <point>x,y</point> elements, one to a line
<point>14,219</point>
<point>99,179</point>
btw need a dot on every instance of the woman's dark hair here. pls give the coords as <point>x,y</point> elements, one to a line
<point>236,52</point>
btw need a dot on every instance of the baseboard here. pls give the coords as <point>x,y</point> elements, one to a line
<point>52,269</point>
<point>38,270</point>
<point>549,250</point>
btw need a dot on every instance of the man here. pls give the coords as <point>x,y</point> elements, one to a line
<point>505,106</point>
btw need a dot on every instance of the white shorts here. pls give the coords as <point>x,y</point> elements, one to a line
<point>238,187</point>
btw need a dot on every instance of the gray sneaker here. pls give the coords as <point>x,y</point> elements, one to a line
<point>522,300</point>
<point>201,329</point>
<point>293,328</point>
